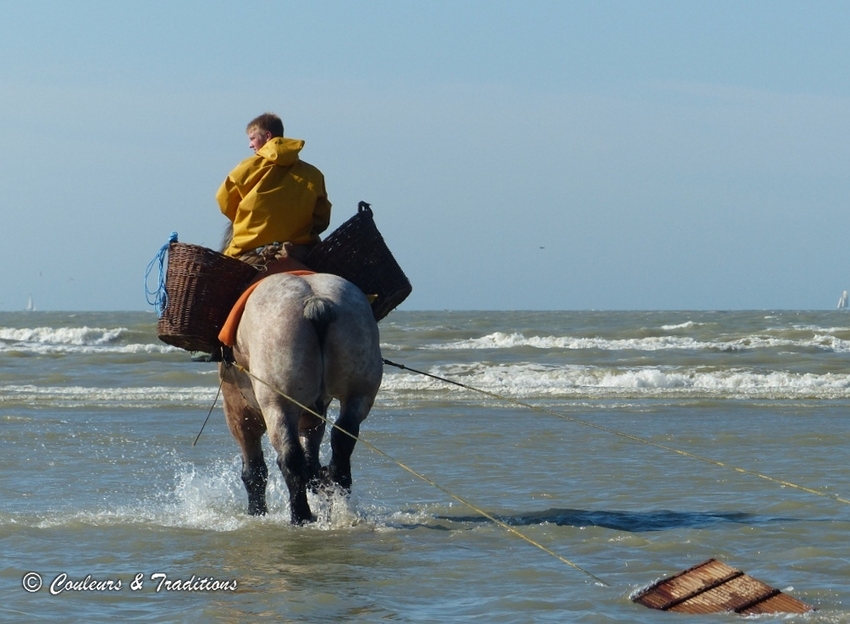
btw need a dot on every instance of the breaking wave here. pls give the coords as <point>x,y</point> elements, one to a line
<point>62,335</point>
<point>82,396</point>
<point>82,340</point>
<point>502,340</point>
<point>532,380</point>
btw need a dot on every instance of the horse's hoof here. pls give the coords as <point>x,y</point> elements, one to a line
<point>299,511</point>
<point>339,478</point>
<point>324,475</point>
<point>256,510</point>
<point>301,521</point>
<point>317,485</point>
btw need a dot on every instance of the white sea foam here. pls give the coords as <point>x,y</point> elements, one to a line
<point>82,396</point>
<point>502,340</point>
<point>819,329</point>
<point>73,340</point>
<point>530,380</point>
<point>48,349</point>
<point>212,498</point>
<point>685,325</point>
<point>62,335</point>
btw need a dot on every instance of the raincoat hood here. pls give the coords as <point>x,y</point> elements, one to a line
<point>274,196</point>
<point>281,151</point>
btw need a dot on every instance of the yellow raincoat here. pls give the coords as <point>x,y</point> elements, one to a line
<point>273,196</point>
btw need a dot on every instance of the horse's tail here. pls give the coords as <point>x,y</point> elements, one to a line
<point>226,237</point>
<point>320,312</point>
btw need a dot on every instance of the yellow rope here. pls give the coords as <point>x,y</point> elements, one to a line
<point>463,501</point>
<point>625,435</point>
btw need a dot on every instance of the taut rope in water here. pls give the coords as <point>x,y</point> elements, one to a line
<point>419,475</point>
<point>623,435</point>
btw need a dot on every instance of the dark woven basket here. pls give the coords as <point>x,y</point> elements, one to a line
<point>357,252</point>
<point>201,287</point>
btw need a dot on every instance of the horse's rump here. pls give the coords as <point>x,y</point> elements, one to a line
<point>314,338</point>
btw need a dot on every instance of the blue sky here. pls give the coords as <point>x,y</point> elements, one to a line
<point>517,155</point>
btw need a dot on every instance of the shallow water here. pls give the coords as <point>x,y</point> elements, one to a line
<point>98,475</point>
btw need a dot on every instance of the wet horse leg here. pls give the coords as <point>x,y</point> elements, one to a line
<point>311,430</point>
<point>352,412</point>
<point>255,477</point>
<point>247,427</point>
<point>291,460</point>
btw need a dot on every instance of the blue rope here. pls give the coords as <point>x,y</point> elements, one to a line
<point>158,297</point>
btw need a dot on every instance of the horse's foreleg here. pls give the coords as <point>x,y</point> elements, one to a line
<point>255,476</point>
<point>247,427</point>
<point>352,412</point>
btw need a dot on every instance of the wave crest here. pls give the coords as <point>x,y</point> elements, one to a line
<point>533,380</point>
<point>503,340</point>
<point>78,336</point>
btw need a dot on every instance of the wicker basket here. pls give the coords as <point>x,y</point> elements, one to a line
<point>357,252</point>
<point>201,286</point>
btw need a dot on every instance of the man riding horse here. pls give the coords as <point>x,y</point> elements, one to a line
<point>304,338</point>
<point>276,202</point>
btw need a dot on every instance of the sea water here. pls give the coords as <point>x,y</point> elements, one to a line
<point>584,456</point>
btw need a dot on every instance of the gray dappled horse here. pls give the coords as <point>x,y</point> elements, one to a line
<point>313,338</point>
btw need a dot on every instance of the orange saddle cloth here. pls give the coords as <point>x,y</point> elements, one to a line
<point>227,335</point>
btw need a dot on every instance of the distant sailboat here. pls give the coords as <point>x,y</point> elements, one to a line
<point>30,305</point>
<point>842,303</point>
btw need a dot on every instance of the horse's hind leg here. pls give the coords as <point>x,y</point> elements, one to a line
<point>311,430</point>
<point>352,412</point>
<point>247,427</point>
<point>283,423</point>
